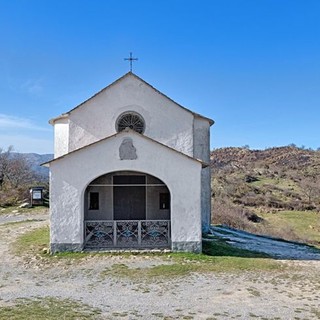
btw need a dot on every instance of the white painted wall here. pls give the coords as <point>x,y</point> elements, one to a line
<point>105,211</point>
<point>96,118</point>
<point>201,138</point>
<point>71,174</point>
<point>165,121</point>
<point>61,137</point>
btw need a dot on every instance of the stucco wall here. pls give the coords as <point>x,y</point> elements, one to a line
<point>165,121</point>
<point>61,137</point>
<point>105,211</point>
<point>71,174</point>
<point>153,210</point>
<point>201,151</point>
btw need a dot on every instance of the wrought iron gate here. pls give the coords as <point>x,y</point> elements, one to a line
<point>127,234</point>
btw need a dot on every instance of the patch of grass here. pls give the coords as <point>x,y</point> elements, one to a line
<point>160,271</point>
<point>204,264</point>
<point>48,309</point>
<point>278,182</point>
<point>32,242</point>
<point>217,256</point>
<point>182,264</point>
<point>263,181</point>
<point>219,247</point>
<point>304,224</point>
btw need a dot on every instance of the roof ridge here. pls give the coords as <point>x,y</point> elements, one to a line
<point>130,73</point>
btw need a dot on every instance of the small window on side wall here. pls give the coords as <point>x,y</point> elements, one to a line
<point>164,201</point>
<point>94,201</point>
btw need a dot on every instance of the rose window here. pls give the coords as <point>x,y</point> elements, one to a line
<point>130,120</point>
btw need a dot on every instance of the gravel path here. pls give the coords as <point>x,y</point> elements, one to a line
<point>18,215</point>
<point>291,294</point>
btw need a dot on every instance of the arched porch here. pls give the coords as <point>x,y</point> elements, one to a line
<point>127,209</point>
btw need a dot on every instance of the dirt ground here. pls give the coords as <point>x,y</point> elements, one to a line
<point>290,294</point>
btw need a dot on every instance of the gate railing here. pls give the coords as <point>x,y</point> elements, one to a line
<point>127,233</point>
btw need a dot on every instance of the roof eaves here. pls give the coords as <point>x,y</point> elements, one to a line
<point>127,130</point>
<point>105,88</point>
<point>62,116</point>
<point>148,84</point>
<point>186,109</point>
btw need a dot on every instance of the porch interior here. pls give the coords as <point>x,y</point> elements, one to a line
<point>127,210</point>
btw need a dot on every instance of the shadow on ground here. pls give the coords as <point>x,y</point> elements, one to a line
<point>226,241</point>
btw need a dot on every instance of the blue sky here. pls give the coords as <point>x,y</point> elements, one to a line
<point>251,65</point>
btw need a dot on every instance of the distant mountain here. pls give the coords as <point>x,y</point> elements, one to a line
<point>35,160</point>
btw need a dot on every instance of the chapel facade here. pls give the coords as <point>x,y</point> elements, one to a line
<point>130,171</point>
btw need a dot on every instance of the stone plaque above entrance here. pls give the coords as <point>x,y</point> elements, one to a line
<point>127,150</point>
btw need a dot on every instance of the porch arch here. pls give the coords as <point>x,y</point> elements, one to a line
<point>127,209</point>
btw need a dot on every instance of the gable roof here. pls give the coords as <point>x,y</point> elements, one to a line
<point>65,115</point>
<point>127,130</point>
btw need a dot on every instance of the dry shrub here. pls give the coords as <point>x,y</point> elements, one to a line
<point>13,196</point>
<point>283,232</point>
<point>225,213</point>
<point>240,218</point>
<point>253,200</point>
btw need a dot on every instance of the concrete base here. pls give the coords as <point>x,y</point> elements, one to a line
<point>187,246</point>
<point>65,247</point>
<point>181,246</point>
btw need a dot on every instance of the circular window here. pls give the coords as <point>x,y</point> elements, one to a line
<point>130,120</point>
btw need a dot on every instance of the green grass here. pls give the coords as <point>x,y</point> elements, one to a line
<point>32,242</point>
<point>182,266</point>
<point>161,271</point>
<point>278,182</point>
<point>304,224</point>
<point>278,187</point>
<point>262,181</point>
<point>217,256</point>
<point>219,247</point>
<point>48,309</point>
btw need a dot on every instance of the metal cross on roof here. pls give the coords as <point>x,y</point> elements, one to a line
<point>131,59</point>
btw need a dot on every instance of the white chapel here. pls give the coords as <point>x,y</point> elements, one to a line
<point>130,171</point>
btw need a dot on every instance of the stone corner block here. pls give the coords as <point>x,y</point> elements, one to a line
<point>187,246</point>
<point>65,247</point>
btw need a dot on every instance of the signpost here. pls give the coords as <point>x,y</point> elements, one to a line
<point>36,194</point>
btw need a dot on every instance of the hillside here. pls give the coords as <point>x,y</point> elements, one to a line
<point>251,185</point>
<point>282,157</point>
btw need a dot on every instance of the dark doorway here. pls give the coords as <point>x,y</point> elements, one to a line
<point>129,197</point>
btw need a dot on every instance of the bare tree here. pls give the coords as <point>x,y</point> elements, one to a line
<point>16,176</point>
<point>4,165</point>
<point>310,187</point>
